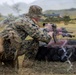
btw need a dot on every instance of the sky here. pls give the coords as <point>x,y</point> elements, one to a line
<point>10,2</point>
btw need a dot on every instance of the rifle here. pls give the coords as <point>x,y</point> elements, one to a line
<point>55,32</point>
<point>65,31</point>
<point>68,35</point>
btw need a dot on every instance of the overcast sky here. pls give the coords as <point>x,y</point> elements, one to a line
<point>55,4</point>
<point>10,2</point>
<point>15,1</point>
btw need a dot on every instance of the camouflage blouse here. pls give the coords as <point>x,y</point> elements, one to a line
<point>25,26</point>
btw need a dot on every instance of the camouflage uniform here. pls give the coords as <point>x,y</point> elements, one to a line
<point>25,26</point>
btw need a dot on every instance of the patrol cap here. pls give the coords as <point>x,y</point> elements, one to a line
<point>35,11</point>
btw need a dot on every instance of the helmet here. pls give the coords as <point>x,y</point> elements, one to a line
<point>35,11</point>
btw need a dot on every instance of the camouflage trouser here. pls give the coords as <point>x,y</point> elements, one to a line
<point>31,48</point>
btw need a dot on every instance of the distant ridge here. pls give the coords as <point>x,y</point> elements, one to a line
<point>70,12</point>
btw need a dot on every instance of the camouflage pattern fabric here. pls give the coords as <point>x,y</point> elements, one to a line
<point>32,29</point>
<point>21,28</point>
<point>30,50</point>
<point>35,11</point>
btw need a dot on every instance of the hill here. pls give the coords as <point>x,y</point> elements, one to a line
<point>70,12</point>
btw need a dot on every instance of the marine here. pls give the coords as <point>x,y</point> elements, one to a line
<point>19,29</point>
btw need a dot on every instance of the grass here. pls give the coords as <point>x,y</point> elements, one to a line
<point>44,68</point>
